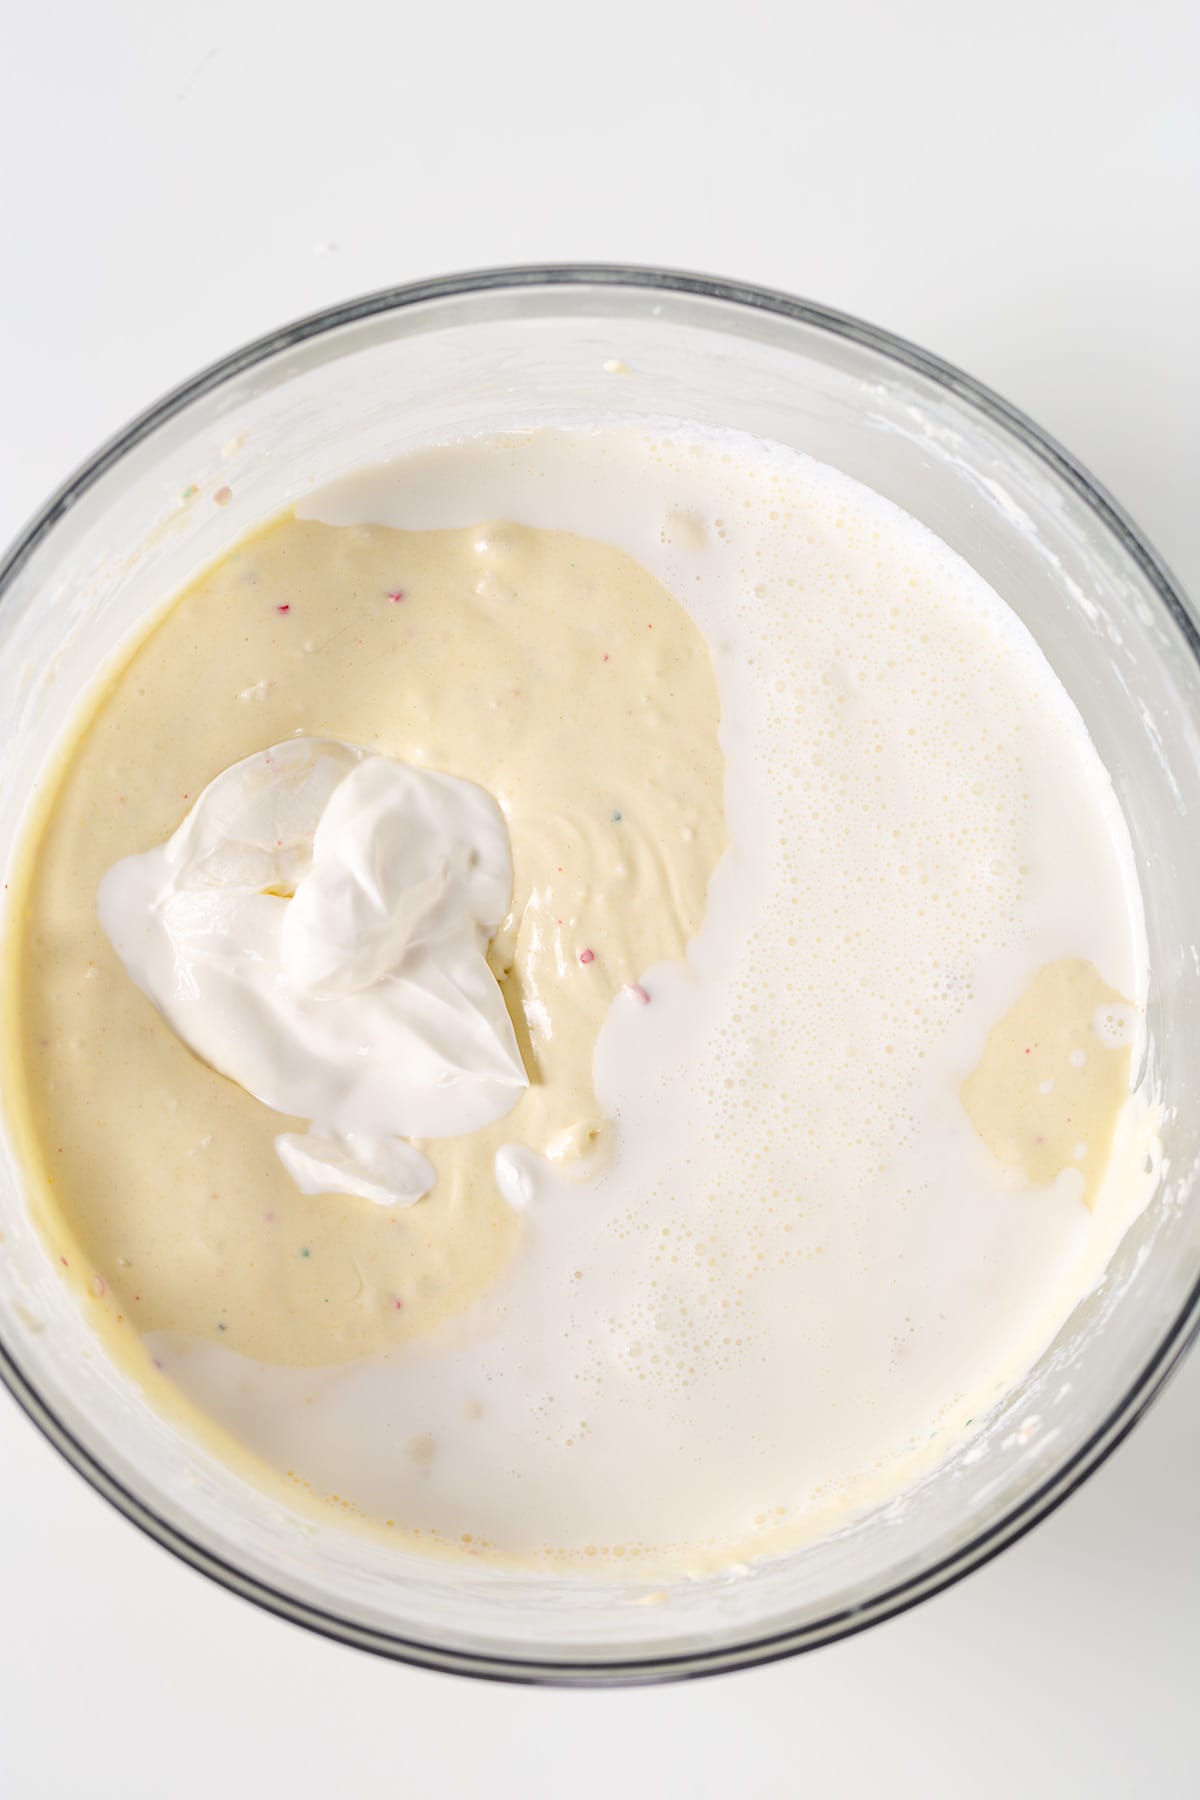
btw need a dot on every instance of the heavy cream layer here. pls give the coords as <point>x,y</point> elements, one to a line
<point>802,1270</point>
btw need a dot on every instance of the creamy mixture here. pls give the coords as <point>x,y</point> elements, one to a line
<point>578,996</point>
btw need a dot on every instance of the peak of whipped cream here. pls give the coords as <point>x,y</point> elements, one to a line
<point>317,931</point>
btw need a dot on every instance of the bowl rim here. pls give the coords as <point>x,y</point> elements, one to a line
<point>1179,1333</point>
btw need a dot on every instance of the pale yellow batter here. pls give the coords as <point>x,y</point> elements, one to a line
<point>1053,1077</point>
<point>552,670</point>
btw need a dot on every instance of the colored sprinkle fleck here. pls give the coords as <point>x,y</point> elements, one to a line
<point>157,1363</point>
<point>306,1251</point>
<point>638,992</point>
<point>587,956</point>
<point>284,608</point>
<point>617,817</point>
<point>223,496</point>
<point>397,1304</point>
<point>396,595</point>
<point>188,491</point>
<point>220,1325</point>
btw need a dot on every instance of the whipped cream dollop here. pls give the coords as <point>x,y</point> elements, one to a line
<point>317,930</point>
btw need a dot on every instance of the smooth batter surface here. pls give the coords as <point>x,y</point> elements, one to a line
<point>836,1215</point>
<point>471,652</point>
<point>1054,1076</point>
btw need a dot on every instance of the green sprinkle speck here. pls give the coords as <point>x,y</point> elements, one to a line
<point>616,818</point>
<point>187,493</point>
<point>306,1251</point>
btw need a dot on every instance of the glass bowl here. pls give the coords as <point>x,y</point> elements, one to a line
<point>518,347</point>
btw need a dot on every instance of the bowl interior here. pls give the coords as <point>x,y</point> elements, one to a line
<point>519,349</point>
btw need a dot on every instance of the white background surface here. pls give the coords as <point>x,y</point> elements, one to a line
<point>1016,187</point>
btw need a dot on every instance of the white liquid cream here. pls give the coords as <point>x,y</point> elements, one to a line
<point>800,1271</point>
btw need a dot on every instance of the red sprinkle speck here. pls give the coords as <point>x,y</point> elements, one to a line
<point>284,608</point>
<point>398,1304</point>
<point>587,956</point>
<point>639,993</point>
<point>396,595</point>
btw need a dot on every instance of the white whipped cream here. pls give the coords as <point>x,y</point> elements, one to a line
<point>317,930</point>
